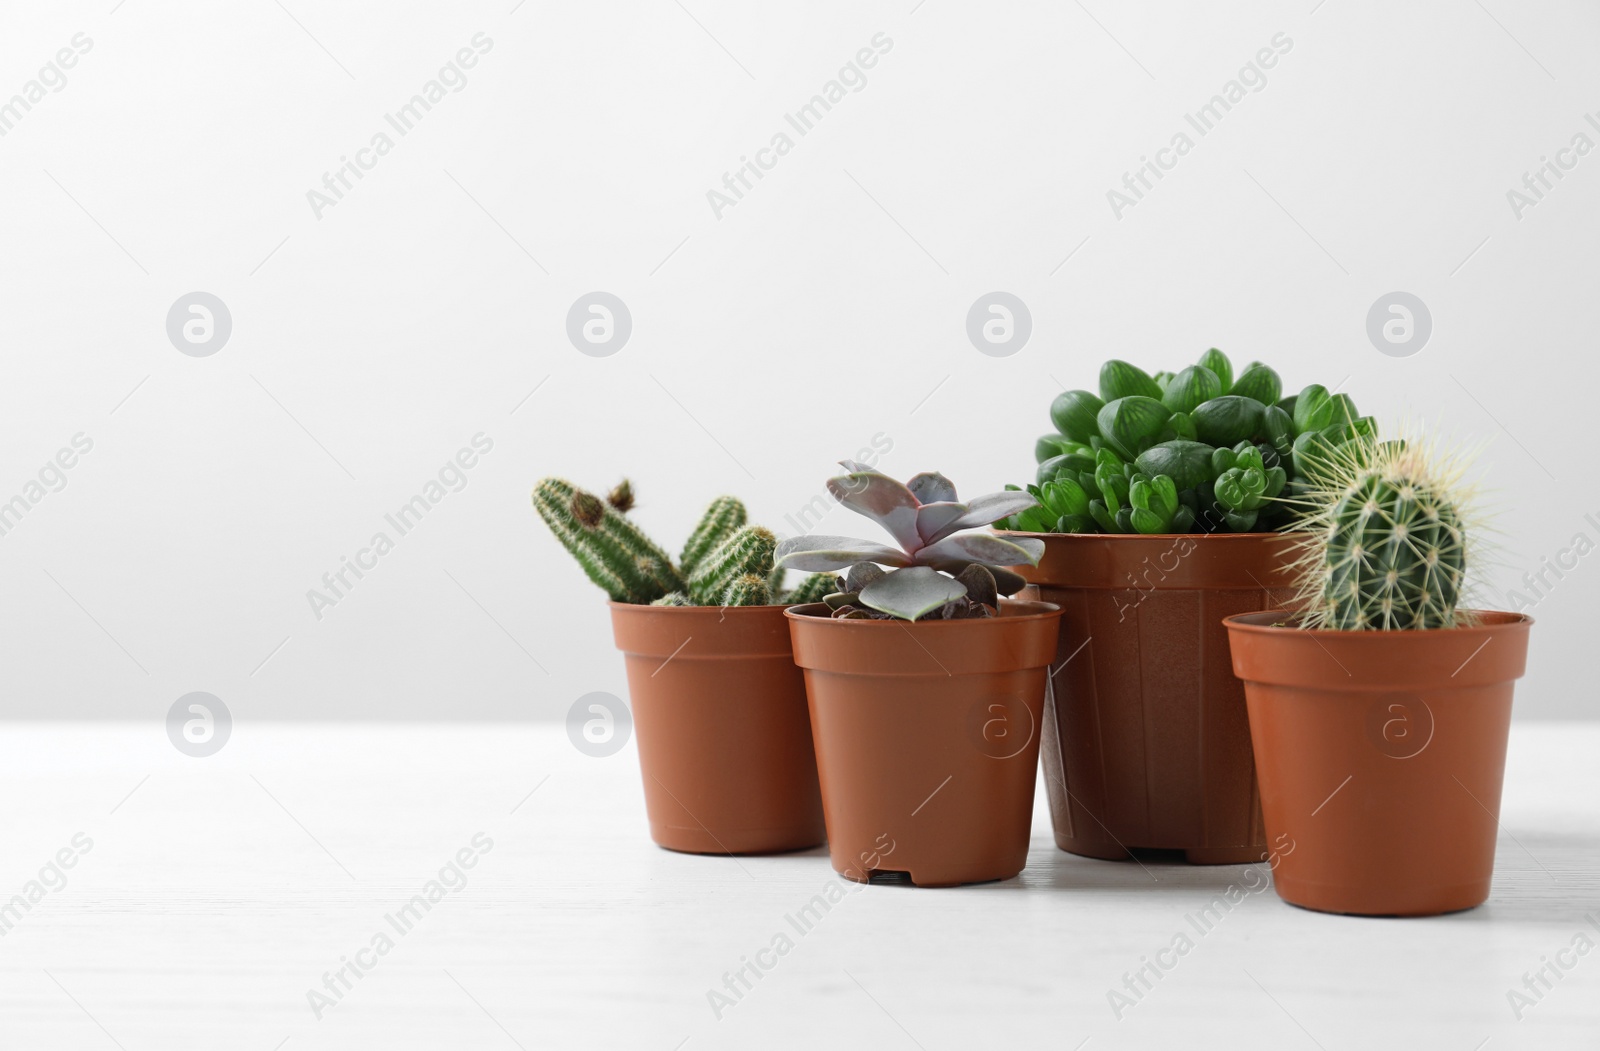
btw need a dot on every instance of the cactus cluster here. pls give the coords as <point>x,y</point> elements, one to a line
<point>735,572</point>
<point>726,561</point>
<point>1197,451</point>
<point>1389,541</point>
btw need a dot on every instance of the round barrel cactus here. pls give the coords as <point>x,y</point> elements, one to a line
<point>1390,544</point>
<point>1395,558</point>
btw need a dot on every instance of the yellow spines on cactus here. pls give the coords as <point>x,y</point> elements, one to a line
<point>1389,542</point>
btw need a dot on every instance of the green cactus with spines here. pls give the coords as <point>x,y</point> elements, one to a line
<point>612,551</point>
<point>815,588</point>
<point>1390,544</point>
<point>722,519</point>
<point>749,551</point>
<point>749,589</point>
<point>1395,557</point>
<point>673,598</point>
<point>730,558</point>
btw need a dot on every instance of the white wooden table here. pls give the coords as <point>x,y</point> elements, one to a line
<point>218,891</point>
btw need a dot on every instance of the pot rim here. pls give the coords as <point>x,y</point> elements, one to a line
<point>1038,611</point>
<point>718,632</point>
<point>1257,624</point>
<point>1287,534</point>
<point>685,610</point>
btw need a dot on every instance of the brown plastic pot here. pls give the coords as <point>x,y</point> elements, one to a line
<point>719,714</point>
<point>1146,741</point>
<point>927,739</point>
<point>1381,755</point>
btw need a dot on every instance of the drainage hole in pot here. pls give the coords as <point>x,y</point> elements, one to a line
<point>889,877</point>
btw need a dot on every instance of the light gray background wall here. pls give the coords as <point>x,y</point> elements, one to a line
<point>372,342</point>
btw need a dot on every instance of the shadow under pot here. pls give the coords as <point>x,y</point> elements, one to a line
<point>1381,756</point>
<point>719,714</point>
<point>927,737</point>
<point>1146,741</point>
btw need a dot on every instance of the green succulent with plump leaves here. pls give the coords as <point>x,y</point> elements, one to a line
<point>1244,484</point>
<point>1203,449</point>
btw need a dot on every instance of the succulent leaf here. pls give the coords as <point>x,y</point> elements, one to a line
<point>830,554</point>
<point>1007,582</point>
<point>1220,366</point>
<point>1180,425</point>
<point>931,487</point>
<point>1118,379</point>
<point>1103,516</point>
<point>861,574</point>
<point>911,593</point>
<point>934,520</point>
<point>1074,412</point>
<point>1132,424</point>
<point>1313,409</point>
<point>1191,387</point>
<point>1187,463</point>
<point>1277,426</point>
<point>1343,410</point>
<point>1080,460</point>
<point>1228,420</point>
<point>1259,382</point>
<point>1064,496</point>
<point>980,584</point>
<point>987,509</point>
<point>1048,445</point>
<point>983,547</point>
<point>1242,521</point>
<point>882,499</point>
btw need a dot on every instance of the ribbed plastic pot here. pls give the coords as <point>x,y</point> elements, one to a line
<point>1147,743</point>
<point>1381,755</point>
<point>927,738</point>
<point>719,716</point>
